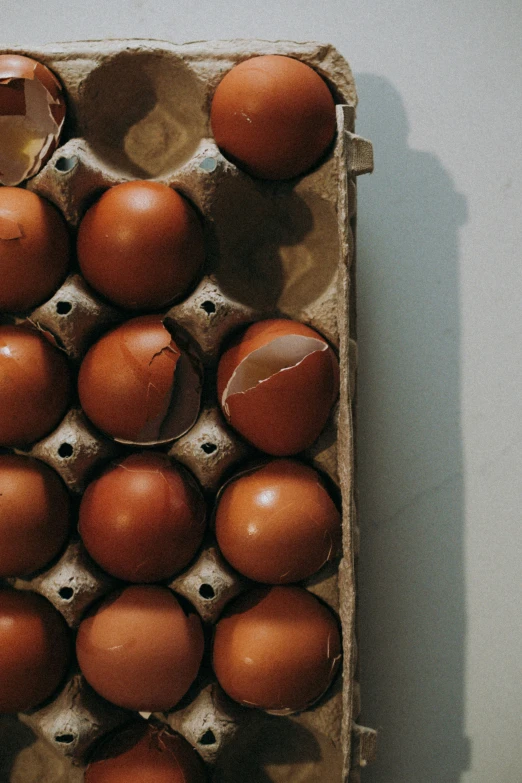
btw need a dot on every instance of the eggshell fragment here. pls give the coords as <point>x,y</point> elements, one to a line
<point>277,383</point>
<point>139,649</point>
<point>274,116</point>
<point>153,238</point>
<point>34,249</point>
<point>277,523</point>
<point>35,385</point>
<point>276,648</point>
<point>34,650</point>
<point>137,385</point>
<point>148,753</point>
<point>143,519</point>
<point>34,515</point>
<point>32,112</point>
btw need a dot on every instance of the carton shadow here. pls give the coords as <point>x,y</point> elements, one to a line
<point>411,579</point>
<point>14,737</point>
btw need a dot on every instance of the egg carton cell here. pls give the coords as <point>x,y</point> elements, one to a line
<point>140,110</point>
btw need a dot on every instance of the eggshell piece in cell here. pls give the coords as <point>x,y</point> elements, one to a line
<point>34,650</point>
<point>139,649</point>
<point>34,515</point>
<point>143,519</point>
<point>276,648</point>
<point>35,386</point>
<point>141,245</point>
<point>34,250</point>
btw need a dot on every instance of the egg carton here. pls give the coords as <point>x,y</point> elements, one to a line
<point>140,109</point>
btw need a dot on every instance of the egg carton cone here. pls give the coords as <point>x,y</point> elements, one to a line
<point>139,109</point>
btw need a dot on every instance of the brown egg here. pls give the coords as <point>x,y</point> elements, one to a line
<point>34,249</point>
<point>276,384</point>
<point>143,519</point>
<point>141,245</point>
<point>34,515</point>
<point>146,753</point>
<point>34,650</point>
<point>32,111</point>
<point>277,523</point>
<point>139,649</point>
<point>274,116</point>
<point>34,386</point>
<point>276,648</point>
<point>138,386</point>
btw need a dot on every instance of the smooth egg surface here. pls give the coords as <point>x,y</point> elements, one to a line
<point>277,523</point>
<point>276,648</point>
<point>274,116</point>
<point>143,519</point>
<point>34,650</point>
<point>34,514</point>
<point>139,649</point>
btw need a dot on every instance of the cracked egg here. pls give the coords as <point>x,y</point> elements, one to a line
<point>138,386</point>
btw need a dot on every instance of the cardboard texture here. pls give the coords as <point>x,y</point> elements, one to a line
<point>140,109</point>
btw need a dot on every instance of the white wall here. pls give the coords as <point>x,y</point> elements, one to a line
<point>440,350</point>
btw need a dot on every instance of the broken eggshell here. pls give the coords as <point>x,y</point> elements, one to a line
<point>32,112</point>
<point>277,383</point>
<point>138,386</point>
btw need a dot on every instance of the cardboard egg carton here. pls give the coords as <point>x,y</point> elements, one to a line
<point>140,109</point>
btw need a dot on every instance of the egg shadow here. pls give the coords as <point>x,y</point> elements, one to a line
<point>271,247</point>
<point>410,456</point>
<point>264,750</point>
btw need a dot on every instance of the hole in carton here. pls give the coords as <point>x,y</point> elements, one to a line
<point>62,308</point>
<point>208,738</point>
<point>208,306</point>
<point>143,113</point>
<point>66,593</point>
<point>208,164</point>
<point>207,591</point>
<point>64,164</point>
<point>208,448</point>
<point>64,739</point>
<point>65,450</point>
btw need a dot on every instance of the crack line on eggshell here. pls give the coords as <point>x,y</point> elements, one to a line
<point>233,378</point>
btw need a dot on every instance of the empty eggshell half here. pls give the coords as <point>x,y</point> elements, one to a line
<point>276,385</point>
<point>32,111</point>
<point>138,386</point>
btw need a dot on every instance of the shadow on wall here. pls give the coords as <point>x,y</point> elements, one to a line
<point>412,591</point>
